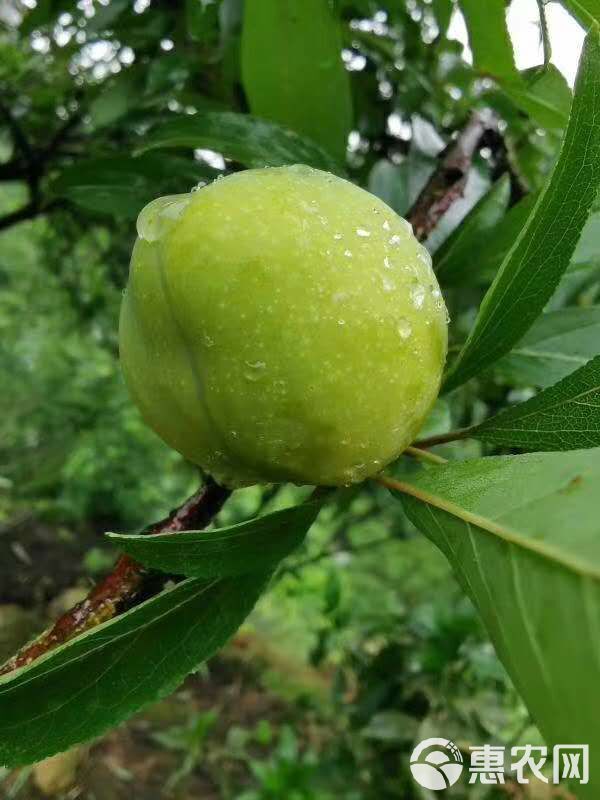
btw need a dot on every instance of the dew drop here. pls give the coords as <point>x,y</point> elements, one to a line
<point>348,253</point>
<point>255,370</point>
<point>387,263</point>
<point>160,215</point>
<point>404,328</point>
<point>337,236</point>
<point>417,296</point>
<point>386,225</point>
<point>395,240</point>
<point>363,233</point>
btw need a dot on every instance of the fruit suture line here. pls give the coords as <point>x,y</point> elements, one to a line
<point>129,582</point>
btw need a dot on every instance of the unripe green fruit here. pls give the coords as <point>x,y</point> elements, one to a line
<point>282,325</point>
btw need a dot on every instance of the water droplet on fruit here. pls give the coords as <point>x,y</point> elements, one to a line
<point>161,214</point>
<point>348,253</point>
<point>388,285</point>
<point>362,232</point>
<point>404,328</point>
<point>337,236</point>
<point>417,296</point>
<point>395,240</point>
<point>386,225</point>
<point>255,370</point>
<point>387,263</point>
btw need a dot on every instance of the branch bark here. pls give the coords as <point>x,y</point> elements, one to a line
<point>447,184</point>
<point>127,584</point>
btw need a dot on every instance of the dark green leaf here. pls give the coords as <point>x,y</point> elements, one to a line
<point>565,416</point>
<point>585,11</point>
<point>115,100</point>
<point>107,15</point>
<point>545,96</point>
<point>239,549</point>
<point>251,141</point>
<point>556,344</point>
<point>534,266</point>
<point>523,536</point>
<point>498,243</point>
<point>489,39</point>
<point>293,72</point>
<point>99,679</point>
<point>399,185</point>
<point>201,19</point>
<point>121,187</point>
<point>459,256</point>
<point>442,10</point>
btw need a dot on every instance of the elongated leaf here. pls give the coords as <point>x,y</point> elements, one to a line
<point>251,141</point>
<point>587,12</point>
<point>399,185</point>
<point>459,255</point>
<point>563,417</point>
<point>121,187</point>
<point>544,95</point>
<point>498,243</point>
<point>533,268</point>
<point>253,545</point>
<point>489,39</point>
<point>292,69</point>
<point>557,344</point>
<point>523,536</point>
<point>102,677</point>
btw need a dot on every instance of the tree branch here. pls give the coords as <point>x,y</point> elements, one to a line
<point>447,184</point>
<point>127,584</point>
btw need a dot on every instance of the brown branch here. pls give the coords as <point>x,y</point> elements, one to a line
<point>128,582</point>
<point>447,184</point>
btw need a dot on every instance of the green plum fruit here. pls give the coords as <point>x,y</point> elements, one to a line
<point>282,324</point>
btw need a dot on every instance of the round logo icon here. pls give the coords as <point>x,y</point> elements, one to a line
<point>436,764</point>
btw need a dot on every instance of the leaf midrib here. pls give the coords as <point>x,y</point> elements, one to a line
<point>509,535</point>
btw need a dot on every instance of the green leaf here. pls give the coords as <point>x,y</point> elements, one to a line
<point>523,536</point>
<point>292,69</point>
<point>587,12</point>
<point>236,550</point>
<point>115,100</point>
<point>251,141</point>
<point>121,187</point>
<point>498,243</point>
<point>557,343</point>
<point>201,19</point>
<point>399,185</point>
<point>565,416</point>
<point>545,96</point>
<point>100,678</point>
<point>458,257</point>
<point>541,254</point>
<point>442,10</point>
<point>489,39</point>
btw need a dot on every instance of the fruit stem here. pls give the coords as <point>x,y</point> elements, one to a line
<point>424,455</point>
